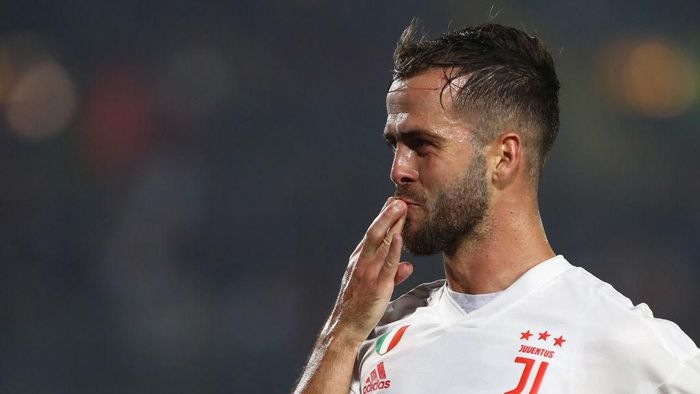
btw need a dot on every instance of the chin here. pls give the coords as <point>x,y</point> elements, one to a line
<point>411,227</point>
<point>415,215</point>
<point>412,243</point>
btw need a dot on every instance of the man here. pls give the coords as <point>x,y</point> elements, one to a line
<point>471,117</point>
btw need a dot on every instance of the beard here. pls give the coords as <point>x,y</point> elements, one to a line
<point>452,216</point>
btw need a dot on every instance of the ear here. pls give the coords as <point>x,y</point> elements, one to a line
<point>507,155</point>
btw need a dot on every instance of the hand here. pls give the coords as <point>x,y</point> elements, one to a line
<point>373,271</point>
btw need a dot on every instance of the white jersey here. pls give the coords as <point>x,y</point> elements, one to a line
<point>557,329</point>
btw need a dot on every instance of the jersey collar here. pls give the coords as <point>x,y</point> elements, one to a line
<point>534,279</point>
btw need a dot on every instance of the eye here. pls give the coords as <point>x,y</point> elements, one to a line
<point>391,144</point>
<point>418,143</point>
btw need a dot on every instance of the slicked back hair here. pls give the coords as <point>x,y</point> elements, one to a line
<point>506,78</point>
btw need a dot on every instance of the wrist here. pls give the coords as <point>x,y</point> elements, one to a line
<point>341,337</point>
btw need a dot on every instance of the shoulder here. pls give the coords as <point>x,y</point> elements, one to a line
<point>617,333</point>
<point>608,333</point>
<point>603,301</point>
<point>684,379</point>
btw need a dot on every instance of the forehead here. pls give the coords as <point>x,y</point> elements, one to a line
<point>416,102</point>
<point>419,92</point>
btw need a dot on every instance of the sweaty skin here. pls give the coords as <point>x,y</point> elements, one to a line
<point>436,169</point>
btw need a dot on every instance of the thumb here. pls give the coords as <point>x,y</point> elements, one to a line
<point>404,270</point>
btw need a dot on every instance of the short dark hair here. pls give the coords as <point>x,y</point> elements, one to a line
<point>510,77</point>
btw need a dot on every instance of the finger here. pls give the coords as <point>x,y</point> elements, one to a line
<point>396,228</point>
<point>381,225</point>
<point>391,263</point>
<point>404,270</point>
<point>362,241</point>
<point>387,202</point>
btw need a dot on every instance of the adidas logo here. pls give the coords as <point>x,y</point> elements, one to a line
<point>376,380</point>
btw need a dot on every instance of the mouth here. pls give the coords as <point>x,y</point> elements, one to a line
<point>408,201</point>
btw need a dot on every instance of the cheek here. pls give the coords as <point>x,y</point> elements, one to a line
<point>438,175</point>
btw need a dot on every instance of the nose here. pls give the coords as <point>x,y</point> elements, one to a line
<point>403,170</point>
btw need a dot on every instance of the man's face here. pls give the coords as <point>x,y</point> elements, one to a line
<point>437,170</point>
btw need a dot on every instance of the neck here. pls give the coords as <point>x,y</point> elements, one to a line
<point>509,241</point>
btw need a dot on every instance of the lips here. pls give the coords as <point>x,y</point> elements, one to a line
<point>407,201</point>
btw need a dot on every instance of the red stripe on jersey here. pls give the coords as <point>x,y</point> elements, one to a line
<point>395,340</point>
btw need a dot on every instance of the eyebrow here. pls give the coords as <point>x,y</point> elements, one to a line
<point>414,133</point>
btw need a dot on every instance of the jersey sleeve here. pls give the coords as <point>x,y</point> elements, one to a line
<point>355,387</point>
<point>685,379</point>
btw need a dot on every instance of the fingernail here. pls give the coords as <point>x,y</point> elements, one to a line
<point>397,205</point>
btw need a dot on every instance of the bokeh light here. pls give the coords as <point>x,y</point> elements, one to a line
<point>651,77</point>
<point>41,102</point>
<point>38,93</point>
<point>117,120</point>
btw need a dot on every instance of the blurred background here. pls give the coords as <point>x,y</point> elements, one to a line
<point>181,183</point>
